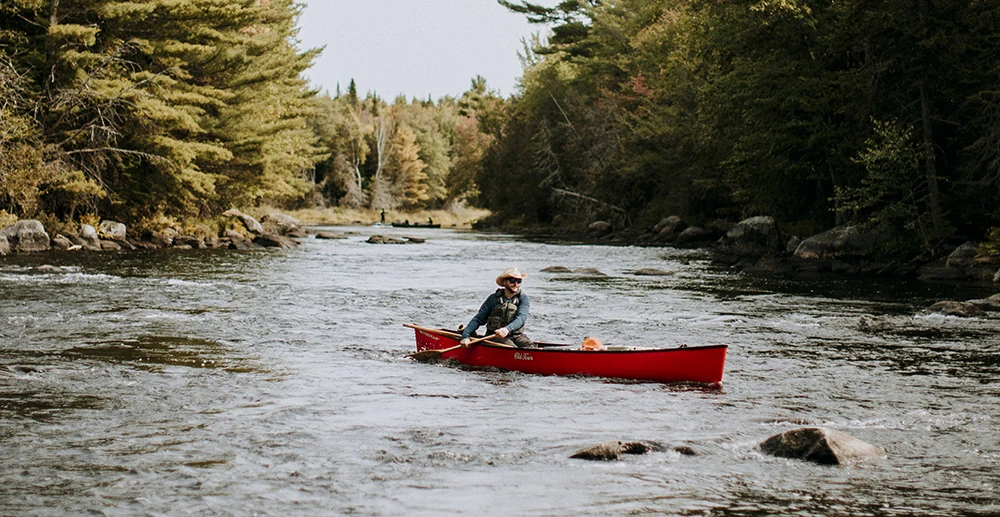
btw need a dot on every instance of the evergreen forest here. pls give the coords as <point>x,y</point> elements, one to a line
<point>818,113</point>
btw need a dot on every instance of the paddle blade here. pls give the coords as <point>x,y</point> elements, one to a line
<point>426,356</point>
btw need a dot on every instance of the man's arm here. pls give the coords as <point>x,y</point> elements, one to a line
<point>480,318</point>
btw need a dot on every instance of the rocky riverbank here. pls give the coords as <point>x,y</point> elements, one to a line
<point>272,231</point>
<point>758,244</point>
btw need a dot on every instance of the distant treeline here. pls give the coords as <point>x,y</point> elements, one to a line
<point>157,110</point>
<point>815,112</point>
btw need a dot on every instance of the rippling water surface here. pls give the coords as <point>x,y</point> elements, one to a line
<point>275,383</point>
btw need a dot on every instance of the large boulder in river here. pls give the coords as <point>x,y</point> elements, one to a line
<point>750,239</point>
<point>91,241</point>
<point>820,445</point>
<point>282,224</point>
<point>840,243</point>
<point>27,235</point>
<point>4,245</point>
<point>112,230</point>
<point>252,225</point>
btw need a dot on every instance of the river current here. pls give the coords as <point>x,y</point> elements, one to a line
<point>271,382</point>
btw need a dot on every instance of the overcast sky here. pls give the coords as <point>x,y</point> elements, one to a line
<point>414,47</point>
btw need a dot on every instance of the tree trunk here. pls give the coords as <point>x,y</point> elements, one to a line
<point>933,194</point>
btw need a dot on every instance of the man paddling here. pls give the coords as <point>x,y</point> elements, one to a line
<point>504,312</point>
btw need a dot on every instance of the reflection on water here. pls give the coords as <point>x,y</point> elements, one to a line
<point>275,382</point>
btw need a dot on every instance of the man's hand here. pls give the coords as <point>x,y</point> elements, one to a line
<point>502,332</point>
<point>465,342</point>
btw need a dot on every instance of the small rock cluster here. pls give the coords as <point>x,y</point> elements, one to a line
<point>814,444</point>
<point>273,230</point>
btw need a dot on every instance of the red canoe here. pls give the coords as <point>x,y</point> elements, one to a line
<point>700,364</point>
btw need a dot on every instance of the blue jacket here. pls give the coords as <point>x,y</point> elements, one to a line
<point>523,308</point>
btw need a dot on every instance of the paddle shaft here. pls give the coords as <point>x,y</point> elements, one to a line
<point>472,342</point>
<point>450,334</point>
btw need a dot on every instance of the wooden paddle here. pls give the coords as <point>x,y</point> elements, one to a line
<point>433,355</point>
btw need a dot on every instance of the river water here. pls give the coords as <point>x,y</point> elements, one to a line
<point>272,382</point>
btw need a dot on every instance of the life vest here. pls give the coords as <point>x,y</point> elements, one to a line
<point>504,313</point>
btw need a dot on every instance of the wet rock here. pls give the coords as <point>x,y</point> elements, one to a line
<point>328,235</point>
<point>648,271</point>
<point>27,235</point>
<point>669,229</point>
<point>843,243</point>
<point>939,270</point>
<point>960,309</point>
<point>91,241</point>
<point>251,224</point>
<point>557,269</point>
<point>686,450</point>
<point>49,268</point>
<point>415,240</point>
<point>772,265</point>
<point>384,239</point>
<point>160,238</point>
<point>145,245</point>
<point>235,240</point>
<point>963,256</point>
<point>189,240</point>
<point>107,245</point>
<point>693,236</point>
<point>599,229</point>
<point>282,224</point>
<point>820,445</point>
<point>112,230</point>
<point>588,271</point>
<point>610,451</point>
<point>750,239</point>
<point>125,245</point>
<point>4,245</point>
<point>60,242</point>
<point>991,304</point>
<point>270,240</point>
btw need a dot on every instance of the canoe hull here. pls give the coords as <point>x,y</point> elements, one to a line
<point>697,364</point>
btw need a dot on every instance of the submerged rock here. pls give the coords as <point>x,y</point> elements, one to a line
<point>648,271</point>
<point>960,309</point>
<point>557,269</point>
<point>610,451</point>
<point>820,445</point>
<point>385,239</point>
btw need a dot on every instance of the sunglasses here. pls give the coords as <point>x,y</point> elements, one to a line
<point>514,280</point>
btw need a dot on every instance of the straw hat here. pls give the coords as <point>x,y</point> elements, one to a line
<point>510,272</point>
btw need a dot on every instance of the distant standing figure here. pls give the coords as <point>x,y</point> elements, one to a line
<point>383,216</point>
<point>430,221</point>
<point>504,312</point>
